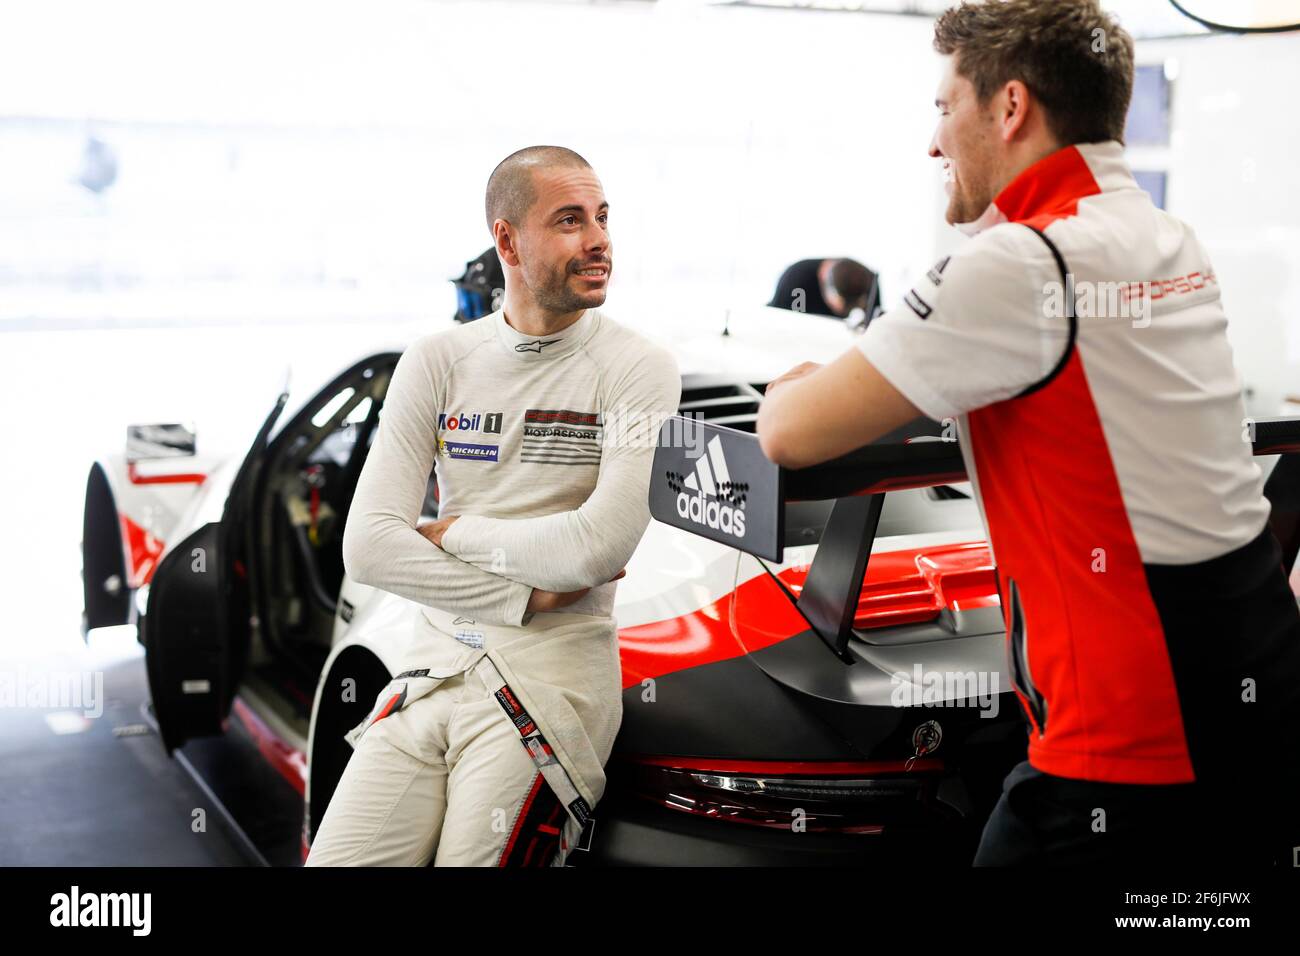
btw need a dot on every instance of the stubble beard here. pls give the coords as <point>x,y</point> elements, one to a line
<point>962,207</point>
<point>555,296</point>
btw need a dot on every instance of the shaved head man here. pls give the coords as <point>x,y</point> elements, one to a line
<point>548,216</point>
<point>536,417</point>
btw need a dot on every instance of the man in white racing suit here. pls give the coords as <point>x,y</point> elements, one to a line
<point>487,747</point>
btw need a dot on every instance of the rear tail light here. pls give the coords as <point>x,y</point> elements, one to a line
<point>815,802</point>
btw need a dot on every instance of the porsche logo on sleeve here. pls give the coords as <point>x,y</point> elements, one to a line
<point>561,436</point>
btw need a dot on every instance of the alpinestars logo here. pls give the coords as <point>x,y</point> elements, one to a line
<point>709,496</point>
<point>536,345</point>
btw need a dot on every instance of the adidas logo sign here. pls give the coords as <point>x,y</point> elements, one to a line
<point>709,496</point>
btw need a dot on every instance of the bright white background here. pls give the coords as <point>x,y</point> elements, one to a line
<point>1233,176</point>
<point>309,160</point>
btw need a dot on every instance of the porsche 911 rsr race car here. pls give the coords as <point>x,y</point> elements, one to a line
<point>816,668</point>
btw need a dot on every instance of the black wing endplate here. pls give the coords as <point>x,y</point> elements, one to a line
<point>716,482</point>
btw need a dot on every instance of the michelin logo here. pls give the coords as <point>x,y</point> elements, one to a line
<point>460,449</point>
<point>708,496</point>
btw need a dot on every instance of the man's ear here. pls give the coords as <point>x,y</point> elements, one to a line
<point>506,243</point>
<point>1013,109</point>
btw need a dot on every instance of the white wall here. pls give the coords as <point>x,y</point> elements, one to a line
<point>293,160</point>
<point>285,160</point>
<point>1232,176</point>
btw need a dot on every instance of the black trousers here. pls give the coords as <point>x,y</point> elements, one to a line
<point>1229,622</point>
<point>1045,820</point>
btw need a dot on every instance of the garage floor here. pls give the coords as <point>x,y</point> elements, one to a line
<point>101,790</point>
<point>88,789</point>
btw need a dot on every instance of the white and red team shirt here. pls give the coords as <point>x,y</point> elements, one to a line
<point>1098,459</point>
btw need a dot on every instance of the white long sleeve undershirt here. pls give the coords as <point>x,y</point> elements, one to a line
<point>545,458</point>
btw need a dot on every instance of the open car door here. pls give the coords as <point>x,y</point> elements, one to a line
<point>196,627</point>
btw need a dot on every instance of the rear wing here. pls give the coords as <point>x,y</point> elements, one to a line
<point>1274,436</point>
<point>716,482</point>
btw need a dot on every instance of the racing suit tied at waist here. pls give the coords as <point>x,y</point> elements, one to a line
<point>558,681</point>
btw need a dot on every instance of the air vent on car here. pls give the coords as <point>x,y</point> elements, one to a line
<point>720,401</point>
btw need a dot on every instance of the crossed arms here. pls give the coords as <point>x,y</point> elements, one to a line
<point>488,568</point>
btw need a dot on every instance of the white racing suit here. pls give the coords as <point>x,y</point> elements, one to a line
<point>465,761</point>
<point>488,746</point>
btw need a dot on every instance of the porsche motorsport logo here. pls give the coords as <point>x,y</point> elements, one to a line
<point>561,436</point>
<point>708,496</point>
